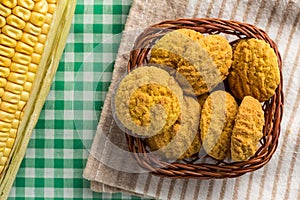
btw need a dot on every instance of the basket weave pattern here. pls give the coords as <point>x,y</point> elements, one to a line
<point>273,108</point>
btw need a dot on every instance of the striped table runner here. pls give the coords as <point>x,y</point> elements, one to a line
<point>280,178</point>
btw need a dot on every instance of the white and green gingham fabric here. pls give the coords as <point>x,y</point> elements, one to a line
<point>57,151</point>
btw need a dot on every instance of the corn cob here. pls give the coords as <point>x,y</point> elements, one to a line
<point>24,33</point>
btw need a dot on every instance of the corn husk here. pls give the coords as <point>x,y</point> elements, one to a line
<point>54,46</point>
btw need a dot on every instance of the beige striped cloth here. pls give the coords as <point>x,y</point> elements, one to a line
<point>279,179</point>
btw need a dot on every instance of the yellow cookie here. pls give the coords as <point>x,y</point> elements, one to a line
<point>247,129</point>
<point>220,51</point>
<point>217,120</point>
<point>254,70</point>
<point>148,101</point>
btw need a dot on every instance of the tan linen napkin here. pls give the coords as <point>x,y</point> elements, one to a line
<point>280,179</point>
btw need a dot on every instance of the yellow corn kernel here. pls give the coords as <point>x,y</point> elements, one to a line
<point>51,1</point>
<point>27,86</point>
<point>2,146</point>
<point>28,4</point>
<point>2,21</point>
<point>3,160</point>
<point>32,29</point>
<point>35,58</point>
<point>41,7</point>
<point>24,96</point>
<point>32,67</point>
<point>3,136</point>
<point>37,19</point>
<point>51,8</point>
<point>5,61</point>
<point>48,19</point>
<point>13,87</point>
<point>17,78</point>
<point>3,139</point>
<point>21,12</point>
<point>19,114</point>
<point>7,41</point>
<point>21,58</point>
<point>4,72</point>
<point>6,152</point>
<point>6,117</point>
<point>10,142</point>
<point>10,97</point>
<point>29,39</point>
<point>1,92</point>
<point>15,124</point>
<point>13,133</point>
<point>39,47</point>
<point>4,11</point>
<point>45,28</point>
<point>6,51</point>
<point>42,38</point>
<point>8,107</point>
<point>4,127</point>
<point>9,3</point>
<point>15,21</point>
<point>24,48</point>
<point>21,105</point>
<point>3,82</point>
<point>30,77</point>
<point>16,67</point>
<point>2,166</point>
<point>12,32</point>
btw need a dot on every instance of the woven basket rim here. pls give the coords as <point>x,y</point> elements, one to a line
<point>273,108</point>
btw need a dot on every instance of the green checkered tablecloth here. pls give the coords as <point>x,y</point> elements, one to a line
<point>57,154</point>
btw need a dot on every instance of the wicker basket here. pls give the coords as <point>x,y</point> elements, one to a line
<point>273,108</point>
